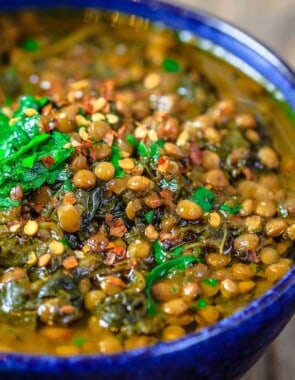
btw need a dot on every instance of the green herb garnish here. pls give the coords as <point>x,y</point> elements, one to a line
<point>170,267</point>
<point>171,65</point>
<point>230,209</point>
<point>150,151</point>
<point>28,158</point>
<point>201,304</point>
<point>115,158</point>
<point>204,197</point>
<point>161,255</point>
<point>30,45</point>
<point>78,341</point>
<point>131,140</point>
<point>210,281</point>
<point>149,216</point>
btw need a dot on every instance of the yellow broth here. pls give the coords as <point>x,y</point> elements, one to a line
<point>146,189</point>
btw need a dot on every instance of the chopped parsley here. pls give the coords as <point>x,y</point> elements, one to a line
<point>210,281</point>
<point>201,304</point>
<point>204,197</point>
<point>230,209</point>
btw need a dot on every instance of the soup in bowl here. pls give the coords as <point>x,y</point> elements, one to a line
<point>147,197</point>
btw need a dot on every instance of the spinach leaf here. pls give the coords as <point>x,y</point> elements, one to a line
<point>161,255</point>
<point>170,267</point>
<point>14,295</point>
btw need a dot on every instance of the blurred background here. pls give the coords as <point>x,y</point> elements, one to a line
<point>273,23</point>
<point>270,21</point>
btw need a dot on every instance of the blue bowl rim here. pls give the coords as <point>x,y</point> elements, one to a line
<point>255,307</point>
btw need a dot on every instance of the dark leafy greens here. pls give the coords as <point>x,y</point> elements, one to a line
<point>27,157</point>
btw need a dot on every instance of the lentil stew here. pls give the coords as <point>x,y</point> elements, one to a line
<point>146,188</point>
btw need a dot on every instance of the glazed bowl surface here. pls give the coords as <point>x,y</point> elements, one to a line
<point>229,348</point>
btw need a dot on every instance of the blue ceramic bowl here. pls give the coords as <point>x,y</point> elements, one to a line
<point>228,349</point>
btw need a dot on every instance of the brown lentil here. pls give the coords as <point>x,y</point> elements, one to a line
<point>104,171</point>
<point>275,227</point>
<point>139,249</point>
<point>138,183</point>
<point>188,210</point>
<point>268,157</point>
<point>31,228</point>
<point>173,332</point>
<point>246,242</point>
<point>229,288</point>
<point>276,271</point>
<point>269,255</point>
<point>84,179</point>
<point>69,217</point>
<point>175,307</point>
<point>98,129</point>
<point>207,316</point>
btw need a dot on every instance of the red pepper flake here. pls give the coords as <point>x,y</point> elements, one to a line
<point>84,146</point>
<point>252,255</point>
<point>70,262</point>
<point>48,161</point>
<point>110,245</point>
<point>109,137</point>
<point>118,228</point>
<point>108,219</point>
<point>70,198</point>
<point>166,194</point>
<point>87,105</point>
<point>67,309</point>
<point>122,130</point>
<point>248,174</point>
<point>166,236</point>
<point>195,155</point>
<point>119,251</point>
<point>162,160</point>
<point>108,89</point>
<point>114,252</point>
<point>43,219</point>
<point>38,207</point>
<point>116,281</point>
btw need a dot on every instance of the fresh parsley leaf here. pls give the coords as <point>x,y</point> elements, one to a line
<point>115,158</point>
<point>230,209</point>
<point>171,65</point>
<point>204,197</point>
<point>149,216</point>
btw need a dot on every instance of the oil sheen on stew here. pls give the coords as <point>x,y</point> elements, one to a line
<point>145,186</point>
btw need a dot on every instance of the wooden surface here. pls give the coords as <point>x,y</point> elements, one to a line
<point>273,23</point>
